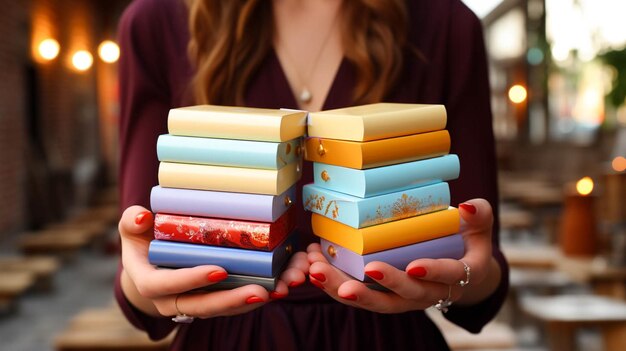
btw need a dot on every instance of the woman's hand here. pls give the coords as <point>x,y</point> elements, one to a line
<point>424,282</point>
<point>155,291</point>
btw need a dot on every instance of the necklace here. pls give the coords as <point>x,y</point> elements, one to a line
<point>305,94</point>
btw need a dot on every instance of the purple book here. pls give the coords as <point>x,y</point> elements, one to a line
<point>203,203</point>
<point>450,246</point>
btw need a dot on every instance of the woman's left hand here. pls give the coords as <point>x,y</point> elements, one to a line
<point>424,282</point>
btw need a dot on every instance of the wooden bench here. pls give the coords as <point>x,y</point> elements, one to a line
<point>41,267</point>
<point>62,243</point>
<point>563,315</point>
<point>12,285</point>
<point>105,329</point>
<point>494,336</point>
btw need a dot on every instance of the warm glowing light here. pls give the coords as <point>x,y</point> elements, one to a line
<point>82,60</point>
<point>584,186</point>
<point>109,51</point>
<point>517,94</point>
<point>49,49</point>
<point>619,164</point>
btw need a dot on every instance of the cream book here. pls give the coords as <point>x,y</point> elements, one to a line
<point>376,121</point>
<point>243,123</point>
<point>229,179</point>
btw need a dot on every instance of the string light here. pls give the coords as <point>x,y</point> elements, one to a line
<point>109,51</point>
<point>82,60</point>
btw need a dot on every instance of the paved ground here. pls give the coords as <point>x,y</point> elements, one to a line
<point>85,282</point>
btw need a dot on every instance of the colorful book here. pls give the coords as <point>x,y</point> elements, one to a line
<point>243,123</point>
<point>360,212</point>
<point>376,121</point>
<point>264,236</point>
<point>387,235</point>
<point>387,179</point>
<point>450,246</point>
<point>234,281</point>
<point>230,179</point>
<point>267,264</point>
<point>376,153</point>
<point>227,152</point>
<point>204,203</point>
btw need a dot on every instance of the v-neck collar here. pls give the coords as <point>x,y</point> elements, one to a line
<point>270,87</point>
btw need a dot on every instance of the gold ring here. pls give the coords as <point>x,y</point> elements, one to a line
<point>181,317</point>
<point>467,270</point>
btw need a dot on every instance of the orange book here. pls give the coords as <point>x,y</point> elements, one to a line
<point>383,152</point>
<point>388,235</point>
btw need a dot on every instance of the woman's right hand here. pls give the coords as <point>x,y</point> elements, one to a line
<point>154,291</point>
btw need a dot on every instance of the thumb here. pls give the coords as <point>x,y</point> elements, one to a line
<point>476,215</point>
<point>135,220</point>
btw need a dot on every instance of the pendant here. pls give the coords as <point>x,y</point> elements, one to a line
<point>305,95</point>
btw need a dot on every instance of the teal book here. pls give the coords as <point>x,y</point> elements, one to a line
<point>227,152</point>
<point>386,179</point>
<point>360,212</point>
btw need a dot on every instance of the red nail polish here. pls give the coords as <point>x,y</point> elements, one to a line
<point>294,284</point>
<point>319,276</point>
<point>253,299</point>
<point>141,216</point>
<point>417,272</point>
<point>349,297</point>
<point>375,275</point>
<point>216,276</point>
<point>274,295</point>
<point>317,283</point>
<point>468,207</point>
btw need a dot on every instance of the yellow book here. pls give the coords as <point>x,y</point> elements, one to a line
<point>376,121</point>
<point>229,179</point>
<point>388,235</point>
<point>243,123</point>
<point>376,153</point>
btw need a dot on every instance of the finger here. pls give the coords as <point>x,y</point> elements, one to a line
<point>293,277</point>
<point>403,284</point>
<point>477,232</point>
<point>153,283</point>
<point>299,261</point>
<point>316,256</point>
<point>135,221</point>
<point>443,270</point>
<point>327,277</point>
<point>358,295</point>
<point>217,303</point>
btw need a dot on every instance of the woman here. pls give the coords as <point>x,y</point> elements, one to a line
<point>313,55</point>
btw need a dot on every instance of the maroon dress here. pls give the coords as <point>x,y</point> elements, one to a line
<point>154,77</point>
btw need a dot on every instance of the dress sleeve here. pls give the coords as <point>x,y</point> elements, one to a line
<point>144,105</point>
<point>470,127</point>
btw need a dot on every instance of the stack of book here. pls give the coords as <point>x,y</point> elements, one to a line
<point>226,188</point>
<point>380,190</point>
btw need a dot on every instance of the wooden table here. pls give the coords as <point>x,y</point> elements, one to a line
<point>565,314</point>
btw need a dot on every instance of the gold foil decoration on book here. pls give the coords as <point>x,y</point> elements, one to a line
<point>331,251</point>
<point>325,176</point>
<point>288,201</point>
<point>320,149</point>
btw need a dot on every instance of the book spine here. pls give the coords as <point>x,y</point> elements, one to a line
<point>451,246</point>
<point>228,179</point>
<point>363,155</point>
<point>383,180</point>
<point>204,203</point>
<point>234,281</point>
<point>388,235</point>
<point>226,152</point>
<point>222,232</point>
<point>359,212</point>
<point>236,261</point>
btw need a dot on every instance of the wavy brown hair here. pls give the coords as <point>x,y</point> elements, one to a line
<point>229,40</point>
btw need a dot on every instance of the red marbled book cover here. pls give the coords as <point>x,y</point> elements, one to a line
<point>261,236</point>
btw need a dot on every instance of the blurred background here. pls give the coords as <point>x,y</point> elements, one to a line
<point>558,78</point>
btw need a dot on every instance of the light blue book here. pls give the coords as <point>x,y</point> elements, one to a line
<point>360,212</point>
<point>386,179</point>
<point>227,152</point>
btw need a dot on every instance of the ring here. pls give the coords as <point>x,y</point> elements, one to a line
<point>442,305</point>
<point>181,317</point>
<point>467,269</point>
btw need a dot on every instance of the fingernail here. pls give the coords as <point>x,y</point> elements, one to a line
<point>468,207</point>
<point>253,299</point>
<point>417,272</point>
<point>141,216</point>
<point>375,275</point>
<point>274,295</point>
<point>317,283</point>
<point>349,297</point>
<point>319,276</point>
<point>294,284</point>
<point>216,276</point>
